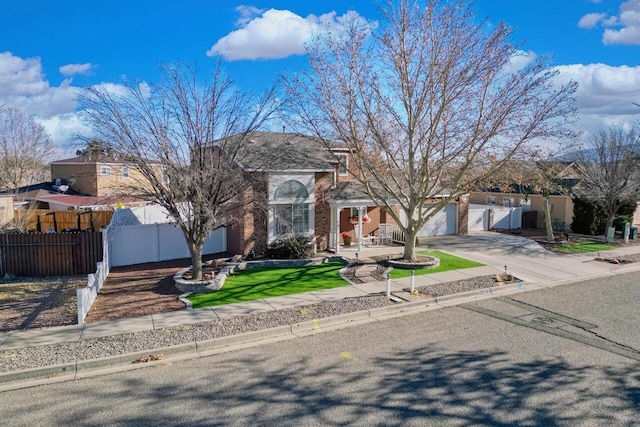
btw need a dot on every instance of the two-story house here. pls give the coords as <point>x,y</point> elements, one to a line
<point>95,174</point>
<point>301,186</point>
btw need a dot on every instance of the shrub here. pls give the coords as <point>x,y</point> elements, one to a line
<point>291,247</point>
<point>588,217</point>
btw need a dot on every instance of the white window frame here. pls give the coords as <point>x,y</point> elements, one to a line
<point>343,170</point>
<point>275,180</point>
<point>508,202</point>
<point>105,170</point>
<point>125,172</point>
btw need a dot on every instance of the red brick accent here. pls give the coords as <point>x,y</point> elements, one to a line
<point>250,230</point>
<point>322,223</point>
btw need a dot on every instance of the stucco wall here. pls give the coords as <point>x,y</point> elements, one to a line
<point>88,179</point>
<point>6,209</point>
<point>561,206</point>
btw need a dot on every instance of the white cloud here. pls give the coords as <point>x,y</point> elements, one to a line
<point>73,69</point>
<point>622,29</point>
<point>23,86</point>
<point>590,20</point>
<point>605,93</point>
<point>64,127</point>
<point>629,19</point>
<point>519,61</point>
<point>247,13</point>
<point>275,33</point>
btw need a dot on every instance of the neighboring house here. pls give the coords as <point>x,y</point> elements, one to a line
<point>95,175</point>
<point>300,187</point>
<point>529,197</point>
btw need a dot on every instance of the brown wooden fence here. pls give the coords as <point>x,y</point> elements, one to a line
<point>50,254</point>
<point>43,220</point>
<point>530,219</point>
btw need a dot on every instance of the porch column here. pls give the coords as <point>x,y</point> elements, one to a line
<point>360,228</point>
<point>335,213</point>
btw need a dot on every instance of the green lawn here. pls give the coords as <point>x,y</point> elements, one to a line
<point>447,263</point>
<point>258,283</point>
<point>581,247</point>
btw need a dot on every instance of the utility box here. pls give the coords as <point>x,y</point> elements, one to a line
<point>633,232</point>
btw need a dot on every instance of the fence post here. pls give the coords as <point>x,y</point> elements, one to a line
<point>80,298</point>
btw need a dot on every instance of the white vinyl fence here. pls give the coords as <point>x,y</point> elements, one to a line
<point>86,296</point>
<point>507,218</point>
<point>137,244</point>
<point>486,217</point>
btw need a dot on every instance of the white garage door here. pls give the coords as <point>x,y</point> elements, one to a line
<point>444,222</point>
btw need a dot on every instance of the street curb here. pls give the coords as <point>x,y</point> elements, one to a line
<point>570,280</point>
<point>217,345</point>
<point>244,338</point>
<point>81,369</point>
<point>318,325</point>
<point>72,370</point>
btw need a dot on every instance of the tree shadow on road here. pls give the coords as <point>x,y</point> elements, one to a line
<point>420,387</point>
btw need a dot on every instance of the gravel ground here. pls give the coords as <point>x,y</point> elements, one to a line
<point>49,355</point>
<point>28,302</point>
<point>626,259</point>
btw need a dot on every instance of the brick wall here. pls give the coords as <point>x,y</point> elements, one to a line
<point>249,229</point>
<point>322,210</point>
<point>253,233</point>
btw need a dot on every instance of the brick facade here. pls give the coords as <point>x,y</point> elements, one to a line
<point>322,223</point>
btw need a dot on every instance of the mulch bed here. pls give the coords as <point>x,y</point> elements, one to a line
<point>376,275</point>
<point>138,290</point>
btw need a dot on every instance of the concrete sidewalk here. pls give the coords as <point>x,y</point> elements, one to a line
<point>37,337</point>
<point>522,257</point>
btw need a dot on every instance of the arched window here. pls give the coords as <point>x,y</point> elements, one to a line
<point>291,218</point>
<point>292,190</point>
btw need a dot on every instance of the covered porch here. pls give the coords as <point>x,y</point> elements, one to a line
<point>355,226</point>
<point>357,222</point>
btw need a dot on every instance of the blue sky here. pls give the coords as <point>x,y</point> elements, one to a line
<point>50,50</point>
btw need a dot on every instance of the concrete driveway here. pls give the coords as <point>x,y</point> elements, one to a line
<point>522,257</point>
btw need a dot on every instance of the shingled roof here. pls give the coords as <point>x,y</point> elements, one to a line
<point>277,151</point>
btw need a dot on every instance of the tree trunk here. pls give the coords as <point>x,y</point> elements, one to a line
<point>610,219</point>
<point>410,246</point>
<point>547,219</point>
<point>196,260</point>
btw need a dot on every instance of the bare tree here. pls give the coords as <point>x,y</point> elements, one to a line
<point>429,102</point>
<point>25,149</point>
<point>174,135</point>
<point>610,159</point>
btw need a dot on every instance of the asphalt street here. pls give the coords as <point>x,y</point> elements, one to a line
<point>568,355</point>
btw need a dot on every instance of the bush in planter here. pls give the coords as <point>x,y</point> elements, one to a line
<point>291,247</point>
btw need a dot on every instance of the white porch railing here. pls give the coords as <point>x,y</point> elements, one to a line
<point>391,233</point>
